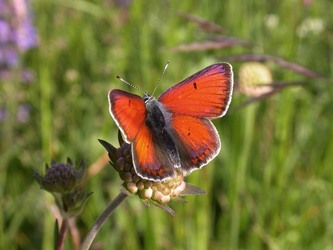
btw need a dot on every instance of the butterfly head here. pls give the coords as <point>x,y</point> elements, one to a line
<point>147,98</point>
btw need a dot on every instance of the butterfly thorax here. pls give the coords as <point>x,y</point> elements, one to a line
<point>157,117</point>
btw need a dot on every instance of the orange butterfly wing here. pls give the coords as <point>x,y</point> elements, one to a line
<point>150,161</point>
<point>129,112</point>
<point>197,141</point>
<point>204,94</point>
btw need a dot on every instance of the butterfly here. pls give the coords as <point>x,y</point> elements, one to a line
<point>174,133</point>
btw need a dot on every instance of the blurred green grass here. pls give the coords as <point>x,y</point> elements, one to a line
<point>271,187</point>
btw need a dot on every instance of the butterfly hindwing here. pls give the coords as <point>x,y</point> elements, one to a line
<point>204,94</point>
<point>128,111</point>
<point>150,159</point>
<point>197,141</point>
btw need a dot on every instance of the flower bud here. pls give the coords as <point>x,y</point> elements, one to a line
<point>253,77</point>
<point>66,183</point>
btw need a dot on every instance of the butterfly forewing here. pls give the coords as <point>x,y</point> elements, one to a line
<point>204,94</point>
<point>128,111</point>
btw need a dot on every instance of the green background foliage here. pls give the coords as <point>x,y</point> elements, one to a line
<point>271,187</point>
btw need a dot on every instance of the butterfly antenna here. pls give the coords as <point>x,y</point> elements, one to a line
<point>158,82</point>
<point>129,84</point>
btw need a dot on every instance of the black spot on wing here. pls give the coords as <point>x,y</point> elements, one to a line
<point>195,85</point>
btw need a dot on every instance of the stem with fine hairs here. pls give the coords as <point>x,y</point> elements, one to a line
<point>101,219</point>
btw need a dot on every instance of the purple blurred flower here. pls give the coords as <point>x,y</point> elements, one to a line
<point>25,34</point>
<point>3,114</point>
<point>124,3</point>
<point>5,33</point>
<point>23,113</point>
<point>8,55</point>
<point>17,33</point>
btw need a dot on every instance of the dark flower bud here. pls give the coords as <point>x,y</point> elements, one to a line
<point>66,183</point>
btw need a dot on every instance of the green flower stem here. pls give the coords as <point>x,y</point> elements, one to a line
<point>101,219</point>
<point>63,228</point>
